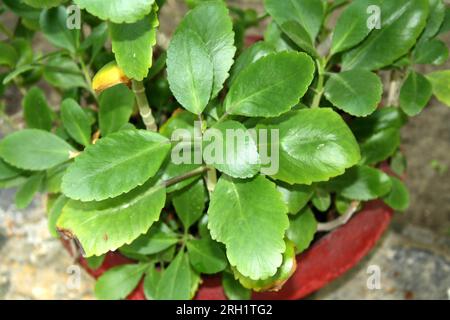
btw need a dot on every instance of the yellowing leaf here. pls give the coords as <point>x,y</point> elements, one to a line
<point>108,76</point>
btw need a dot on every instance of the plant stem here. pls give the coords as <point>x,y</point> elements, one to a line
<point>211,175</point>
<point>87,77</point>
<point>328,226</point>
<point>223,118</point>
<point>144,107</point>
<point>320,81</point>
<point>394,85</point>
<point>211,180</point>
<point>185,176</point>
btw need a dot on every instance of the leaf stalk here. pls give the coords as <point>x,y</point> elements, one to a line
<point>144,107</point>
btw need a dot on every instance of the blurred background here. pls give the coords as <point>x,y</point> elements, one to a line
<point>414,255</point>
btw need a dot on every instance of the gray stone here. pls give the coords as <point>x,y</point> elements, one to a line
<point>411,267</point>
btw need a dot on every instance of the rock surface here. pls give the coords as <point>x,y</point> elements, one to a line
<point>33,265</point>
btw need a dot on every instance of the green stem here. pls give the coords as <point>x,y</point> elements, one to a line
<point>86,74</point>
<point>87,77</point>
<point>185,176</point>
<point>211,175</point>
<point>223,118</point>
<point>320,82</point>
<point>144,107</point>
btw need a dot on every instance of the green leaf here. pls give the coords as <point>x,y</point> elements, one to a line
<point>133,44</point>
<point>385,118</point>
<point>203,227</point>
<point>252,54</point>
<point>402,23</point>
<point>277,39</point>
<point>440,81</point>
<point>115,165</point>
<point>179,120</point>
<point>175,282</point>
<point>233,289</point>
<point>53,24</point>
<point>398,163</point>
<point>314,145</point>
<point>44,3</point>
<point>116,106</point>
<point>159,238</point>
<point>254,210</point>
<point>8,55</point>
<point>308,13</point>
<point>321,200</point>
<point>151,282</point>
<point>380,146</point>
<point>351,27</point>
<point>17,72</point>
<point>211,22</point>
<point>54,178</point>
<point>357,92</point>
<point>361,183</point>
<point>299,36</point>
<point>34,149</point>
<point>445,27</point>
<point>13,182</point>
<point>295,196</point>
<point>342,204</point>
<point>76,122</point>
<point>117,11</point>
<point>190,70</point>
<point>431,52</point>
<point>7,171</point>
<point>95,262</point>
<point>96,40</point>
<point>277,281</point>
<point>21,9</point>
<point>37,113</point>
<point>25,194</point>
<point>255,94</point>
<point>398,198</point>
<point>415,93</point>
<point>189,203</point>
<point>118,282</point>
<point>206,256</point>
<point>62,72</point>
<point>94,224</point>
<point>24,51</point>
<point>54,214</point>
<point>302,228</point>
<point>229,147</point>
<point>435,19</point>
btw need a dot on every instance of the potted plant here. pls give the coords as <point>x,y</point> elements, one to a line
<point>208,169</point>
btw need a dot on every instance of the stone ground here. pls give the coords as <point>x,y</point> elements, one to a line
<point>413,257</point>
<point>33,265</point>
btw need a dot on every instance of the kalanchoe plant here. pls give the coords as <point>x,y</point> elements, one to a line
<point>105,157</point>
